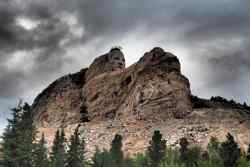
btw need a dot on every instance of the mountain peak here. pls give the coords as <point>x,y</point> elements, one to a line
<point>108,98</point>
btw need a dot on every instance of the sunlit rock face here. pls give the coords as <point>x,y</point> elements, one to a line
<point>152,89</point>
<point>158,58</point>
<point>112,61</point>
<point>60,103</point>
<point>150,95</point>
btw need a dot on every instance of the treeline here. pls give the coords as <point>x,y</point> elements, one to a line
<point>20,149</point>
<point>230,102</point>
<point>203,103</point>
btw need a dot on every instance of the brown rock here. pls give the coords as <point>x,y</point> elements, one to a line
<point>59,104</point>
<point>149,95</point>
<point>112,61</point>
<point>152,90</point>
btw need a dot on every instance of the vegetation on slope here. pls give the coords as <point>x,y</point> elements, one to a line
<point>20,149</point>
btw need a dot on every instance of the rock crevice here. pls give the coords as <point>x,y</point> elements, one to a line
<point>108,98</point>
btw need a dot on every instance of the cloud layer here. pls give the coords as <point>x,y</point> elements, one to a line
<point>44,39</point>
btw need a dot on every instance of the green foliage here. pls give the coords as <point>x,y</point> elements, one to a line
<point>243,162</point>
<point>102,159</point>
<point>171,164</point>
<point>214,149</point>
<point>194,155</point>
<point>20,149</point>
<point>209,163</point>
<point>156,150</point>
<point>184,150</point>
<point>58,150</point>
<point>116,150</point>
<point>75,155</point>
<point>127,162</point>
<point>157,156</point>
<point>112,158</point>
<point>171,159</point>
<point>139,160</point>
<point>41,154</point>
<point>229,152</point>
<point>18,137</point>
<point>248,152</point>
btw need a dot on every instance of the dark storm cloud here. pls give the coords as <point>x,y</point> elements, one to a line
<point>216,33</point>
<point>45,38</point>
<point>13,36</point>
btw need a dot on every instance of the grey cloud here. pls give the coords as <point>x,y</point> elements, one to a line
<point>195,25</point>
<point>45,38</point>
<point>213,33</point>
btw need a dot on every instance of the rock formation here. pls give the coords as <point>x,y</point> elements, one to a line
<point>108,98</point>
<point>60,103</point>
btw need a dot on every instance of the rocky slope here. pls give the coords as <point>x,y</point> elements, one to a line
<point>152,94</point>
<point>60,103</point>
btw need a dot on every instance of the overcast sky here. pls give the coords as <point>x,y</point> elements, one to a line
<point>41,40</point>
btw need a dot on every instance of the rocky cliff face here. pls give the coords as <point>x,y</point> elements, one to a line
<point>60,103</point>
<point>152,94</point>
<point>153,89</point>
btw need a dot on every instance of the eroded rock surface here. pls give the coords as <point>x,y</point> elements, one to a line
<point>150,95</point>
<point>60,103</point>
<point>112,61</point>
<point>153,89</point>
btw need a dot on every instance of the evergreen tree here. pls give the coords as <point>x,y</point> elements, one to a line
<point>140,160</point>
<point>18,137</point>
<point>248,153</point>
<point>127,162</point>
<point>97,159</point>
<point>58,150</point>
<point>41,154</point>
<point>156,150</point>
<point>27,137</point>
<point>194,156</point>
<point>213,149</point>
<point>116,150</point>
<point>229,152</point>
<point>75,155</point>
<point>102,159</point>
<point>9,144</point>
<point>184,150</point>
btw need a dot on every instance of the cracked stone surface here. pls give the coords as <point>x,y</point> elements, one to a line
<point>150,95</point>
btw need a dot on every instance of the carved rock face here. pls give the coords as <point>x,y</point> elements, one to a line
<point>153,89</point>
<point>112,61</point>
<point>157,57</point>
<point>133,102</point>
<point>59,104</point>
<point>116,60</point>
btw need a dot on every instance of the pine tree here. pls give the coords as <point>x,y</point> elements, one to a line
<point>184,150</point>
<point>229,152</point>
<point>116,150</point>
<point>27,135</point>
<point>9,144</point>
<point>75,155</point>
<point>156,150</point>
<point>102,159</point>
<point>41,154</point>
<point>213,149</point>
<point>189,156</point>
<point>58,150</point>
<point>97,159</point>
<point>248,153</point>
<point>18,145</point>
